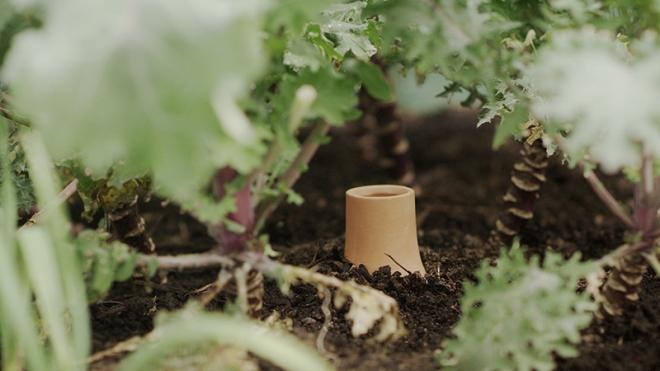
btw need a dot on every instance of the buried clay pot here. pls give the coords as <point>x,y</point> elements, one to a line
<point>381,228</point>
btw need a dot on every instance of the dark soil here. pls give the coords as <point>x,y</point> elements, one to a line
<point>462,180</point>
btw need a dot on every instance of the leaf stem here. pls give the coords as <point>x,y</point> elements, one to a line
<point>645,211</point>
<point>293,172</point>
<point>64,195</point>
<point>185,261</point>
<point>608,199</point>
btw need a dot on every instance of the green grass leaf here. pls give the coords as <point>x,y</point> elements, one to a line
<point>190,326</point>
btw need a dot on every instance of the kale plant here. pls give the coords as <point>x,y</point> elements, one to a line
<point>520,313</point>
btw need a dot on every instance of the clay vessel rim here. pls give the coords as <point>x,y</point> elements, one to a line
<point>380,192</point>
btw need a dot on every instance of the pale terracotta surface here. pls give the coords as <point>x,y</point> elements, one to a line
<point>380,220</point>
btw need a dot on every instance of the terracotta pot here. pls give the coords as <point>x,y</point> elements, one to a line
<point>380,221</point>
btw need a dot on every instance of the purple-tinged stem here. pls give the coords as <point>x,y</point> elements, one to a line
<point>230,241</point>
<point>606,197</point>
<point>629,266</point>
<point>293,172</point>
<point>646,204</point>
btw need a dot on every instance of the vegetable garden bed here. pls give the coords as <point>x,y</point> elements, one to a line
<point>461,180</point>
<point>152,218</point>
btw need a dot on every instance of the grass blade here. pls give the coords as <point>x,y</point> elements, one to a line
<point>44,275</point>
<point>55,221</point>
<point>17,321</point>
<point>280,348</point>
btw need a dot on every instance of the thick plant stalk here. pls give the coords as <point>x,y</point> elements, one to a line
<point>395,145</point>
<point>128,225</point>
<point>383,119</point>
<point>628,266</point>
<point>527,176</point>
<point>293,172</point>
<point>124,219</point>
<point>622,284</point>
<point>246,285</point>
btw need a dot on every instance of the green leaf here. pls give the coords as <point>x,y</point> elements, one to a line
<point>510,125</point>
<point>45,277</point>
<point>351,32</point>
<point>125,269</point>
<point>192,326</point>
<point>18,324</point>
<point>372,77</point>
<point>151,268</point>
<point>293,15</point>
<point>155,95</point>
<point>103,272</point>
<point>315,35</point>
<point>293,197</point>
<point>54,219</point>
<point>520,313</point>
<point>604,91</point>
<point>6,12</point>
<point>301,54</point>
<point>336,101</point>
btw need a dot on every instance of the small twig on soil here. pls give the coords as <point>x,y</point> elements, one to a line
<point>607,198</point>
<point>291,175</point>
<point>64,195</point>
<point>397,263</point>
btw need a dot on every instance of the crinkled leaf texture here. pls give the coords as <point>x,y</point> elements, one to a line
<point>344,23</point>
<point>519,314</point>
<point>337,95</point>
<point>609,99</point>
<point>147,86</point>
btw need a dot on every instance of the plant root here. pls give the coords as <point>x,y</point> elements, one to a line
<point>326,295</point>
<point>368,307</point>
<point>239,283</point>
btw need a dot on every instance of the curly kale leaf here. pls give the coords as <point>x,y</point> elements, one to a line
<point>520,313</point>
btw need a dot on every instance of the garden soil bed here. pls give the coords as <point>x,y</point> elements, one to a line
<point>462,180</point>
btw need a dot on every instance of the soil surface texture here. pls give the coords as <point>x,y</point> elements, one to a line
<point>461,181</point>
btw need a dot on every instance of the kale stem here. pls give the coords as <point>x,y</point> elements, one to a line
<point>607,198</point>
<point>185,261</point>
<point>645,209</point>
<point>293,172</point>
